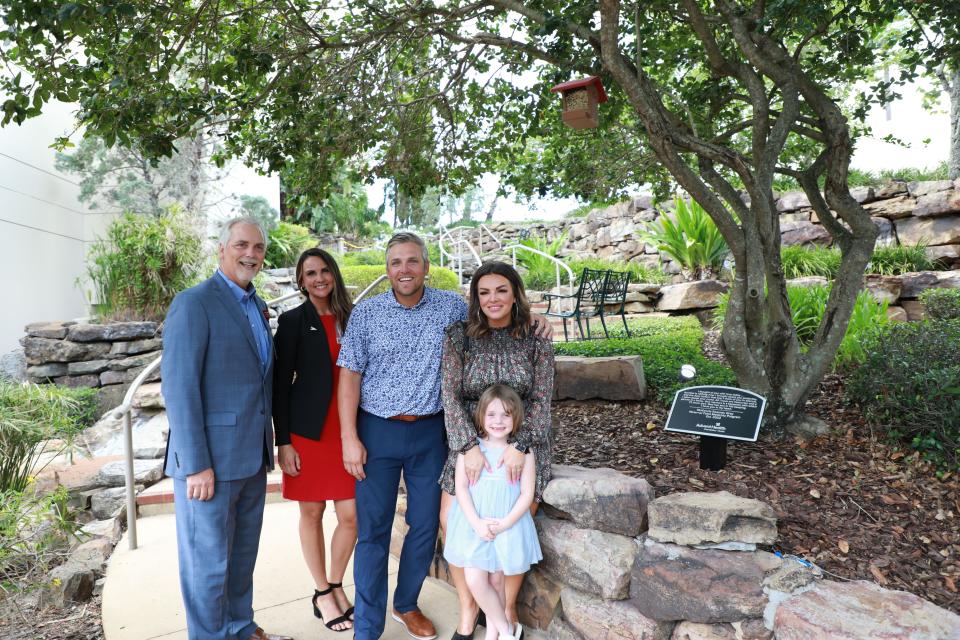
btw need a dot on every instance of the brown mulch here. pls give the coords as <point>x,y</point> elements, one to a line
<point>855,506</point>
<point>24,620</point>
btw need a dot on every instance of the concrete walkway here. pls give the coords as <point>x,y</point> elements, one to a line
<point>141,597</point>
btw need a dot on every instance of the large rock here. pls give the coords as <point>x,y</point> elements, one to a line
<point>700,294</point>
<point>672,582</point>
<point>793,200</point>
<point>42,350</point>
<point>922,188</point>
<point>109,529</point>
<point>111,332</point>
<point>109,503</point>
<point>939,203</point>
<point>745,630</point>
<point>93,555</point>
<point>946,253</point>
<point>792,233</point>
<point>145,472</point>
<point>560,629</point>
<point>913,284</point>
<point>88,366</point>
<point>610,378</point>
<point>883,288</point>
<point>599,619</point>
<point>48,370</point>
<point>892,209</point>
<point>148,396</point>
<point>13,366</point>
<point>862,610</point>
<point>54,330</point>
<point>135,346</point>
<point>538,599</point>
<point>601,499</point>
<point>88,381</point>
<point>590,560</point>
<point>692,518</point>
<point>931,231</point>
<point>131,362</point>
<point>70,582</point>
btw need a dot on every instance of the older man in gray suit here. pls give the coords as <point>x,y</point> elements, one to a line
<point>217,383</point>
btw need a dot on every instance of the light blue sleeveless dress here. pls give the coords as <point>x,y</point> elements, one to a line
<point>513,550</point>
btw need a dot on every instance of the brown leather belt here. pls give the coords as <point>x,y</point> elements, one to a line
<point>409,418</point>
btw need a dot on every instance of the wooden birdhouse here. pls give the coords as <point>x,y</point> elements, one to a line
<point>580,100</point>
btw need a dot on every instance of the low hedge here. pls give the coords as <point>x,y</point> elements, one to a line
<point>664,344</point>
<point>360,276</point>
<point>941,304</point>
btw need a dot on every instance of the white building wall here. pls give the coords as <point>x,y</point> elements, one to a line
<point>44,229</point>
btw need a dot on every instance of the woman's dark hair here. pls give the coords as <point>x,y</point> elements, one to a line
<point>340,302</point>
<point>477,324</point>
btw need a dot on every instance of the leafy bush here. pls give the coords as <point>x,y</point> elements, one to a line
<point>31,414</point>
<point>941,304</point>
<point>690,238</point>
<point>35,532</point>
<point>541,271</point>
<point>807,306</point>
<point>370,257</point>
<point>142,263</point>
<point>361,276</point>
<point>898,259</point>
<point>286,243</point>
<point>664,344</point>
<point>909,383</point>
<point>799,261</point>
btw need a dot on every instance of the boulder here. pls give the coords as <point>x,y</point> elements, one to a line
<point>744,630</point>
<point>49,370</point>
<point>109,503</point>
<point>598,619</point>
<point>560,629</point>
<point>538,599</point>
<point>922,188</point>
<point>145,472</point>
<point>860,609</point>
<point>700,294</point>
<point>672,582</point>
<point>13,365</point>
<point>111,396</point>
<point>916,283</point>
<point>109,529</point>
<point>130,362</point>
<point>914,310</point>
<point>793,200</point>
<point>609,378</point>
<point>590,560</point>
<point>938,203</point>
<point>70,582</point>
<point>932,231</point>
<point>808,281</point>
<point>863,194</point>
<point>601,499</point>
<point>91,381</point>
<point>43,350</point>
<point>697,518</point>
<point>946,253</point>
<point>135,346</point>
<point>112,331</point>
<point>892,209</point>
<point>54,330</point>
<point>88,366</point>
<point>93,554</point>
<point>883,288</point>
<point>897,314</point>
<point>892,188</point>
<point>792,233</point>
<point>148,396</point>
<point>127,376</point>
<point>886,236</point>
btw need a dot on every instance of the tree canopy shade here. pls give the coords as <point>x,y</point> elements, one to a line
<point>722,95</point>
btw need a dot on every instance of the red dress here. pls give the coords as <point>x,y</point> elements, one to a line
<point>322,476</point>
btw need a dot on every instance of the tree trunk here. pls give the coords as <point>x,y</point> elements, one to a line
<point>953,90</point>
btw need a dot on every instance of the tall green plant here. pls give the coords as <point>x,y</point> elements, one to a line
<point>286,244</point>
<point>142,263</point>
<point>799,261</point>
<point>690,238</point>
<point>899,259</point>
<point>541,270</point>
<point>31,414</point>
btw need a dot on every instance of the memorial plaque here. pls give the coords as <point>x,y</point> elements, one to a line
<point>719,412</point>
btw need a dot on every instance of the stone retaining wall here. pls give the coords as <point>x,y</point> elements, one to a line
<point>687,566</point>
<point>905,213</point>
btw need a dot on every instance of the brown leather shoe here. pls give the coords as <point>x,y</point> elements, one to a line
<point>260,634</point>
<point>416,624</point>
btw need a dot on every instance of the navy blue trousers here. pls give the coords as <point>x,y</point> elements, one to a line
<point>418,450</point>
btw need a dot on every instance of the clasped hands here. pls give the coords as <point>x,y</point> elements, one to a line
<point>488,528</point>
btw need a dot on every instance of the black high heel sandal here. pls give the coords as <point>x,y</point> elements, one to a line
<point>481,621</point>
<point>316,611</point>
<point>349,611</point>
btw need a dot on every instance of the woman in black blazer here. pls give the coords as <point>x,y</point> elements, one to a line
<point>307,428</point>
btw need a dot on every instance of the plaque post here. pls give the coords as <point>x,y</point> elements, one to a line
<point>713,453</point>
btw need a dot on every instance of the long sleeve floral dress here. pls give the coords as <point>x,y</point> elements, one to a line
<point>525,365</point>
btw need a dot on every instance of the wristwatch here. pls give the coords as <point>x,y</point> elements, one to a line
<point>522,448</point>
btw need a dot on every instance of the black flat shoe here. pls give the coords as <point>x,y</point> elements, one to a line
<point>316,611</point>
<point>349,611</point>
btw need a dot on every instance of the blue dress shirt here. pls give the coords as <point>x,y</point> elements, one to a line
<point>258,324</point>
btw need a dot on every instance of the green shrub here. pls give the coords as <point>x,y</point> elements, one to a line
<point>142,263</point>
<point>361,276</point>
<point>807,306</point>
<point>909,384</point>
<point>541,271</point>
<point>691,238</point>
<point>799,261</point>
<point>374,257</point>
<point>941,304</point>
<point>898,259</point>
<point>638,272</point>
<point>35,532</point>
<point>664,344</point>
<point>31,414</point>
<point>286,244</point>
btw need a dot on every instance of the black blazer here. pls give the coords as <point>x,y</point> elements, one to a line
<point>303,375</point>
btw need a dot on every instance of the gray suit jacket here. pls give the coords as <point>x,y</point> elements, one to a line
<point>216,392</point>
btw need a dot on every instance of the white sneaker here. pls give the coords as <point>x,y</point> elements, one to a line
<point>517,633</point>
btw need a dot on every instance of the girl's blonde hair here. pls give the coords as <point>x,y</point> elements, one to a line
<point>511,402</point>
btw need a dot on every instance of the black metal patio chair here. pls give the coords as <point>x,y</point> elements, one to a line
<point>615,293</point>
<point>587,302</point>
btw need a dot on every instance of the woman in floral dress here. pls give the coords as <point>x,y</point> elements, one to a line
<point>496,345</point>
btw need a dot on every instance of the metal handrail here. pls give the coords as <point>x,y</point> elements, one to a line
<point>459,257</point>
<point>492,236</point>
<point>123,411</point>
<point>448,234</point>
<point>557,263</point>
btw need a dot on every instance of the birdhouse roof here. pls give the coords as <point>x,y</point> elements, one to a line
<point>583,82</point>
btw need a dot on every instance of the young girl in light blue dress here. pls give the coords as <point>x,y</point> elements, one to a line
<point>490,532</point>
